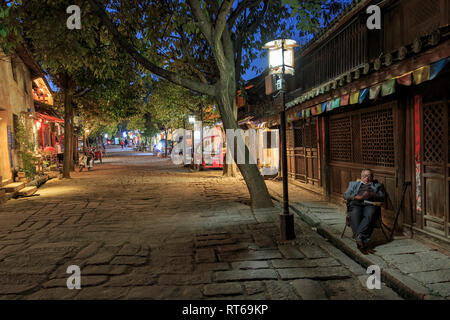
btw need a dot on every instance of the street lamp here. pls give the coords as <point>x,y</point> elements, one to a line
<point>281,62</point>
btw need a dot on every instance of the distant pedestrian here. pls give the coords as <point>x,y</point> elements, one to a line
<point>126,143</point>
<point>121,143</point>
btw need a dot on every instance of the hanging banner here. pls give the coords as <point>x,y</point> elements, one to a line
<point>421,75</point>
<point>363,94</point>
<point>354,97</point>
<point>374,92</point>
<point>313,111</point>
<point>319,109</point>
<point>388,88</point>
<point>344,100</point>
<point>308,113</point>
<point>299,114</point>
<point>437,67</point>
<point>405,79</point>
<point>336,103</point>
<point>324,107</point>
<point>417,107</point>
<point>330,105</point>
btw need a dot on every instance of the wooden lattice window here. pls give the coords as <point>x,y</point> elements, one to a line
<point>289,137</point>
<point>340,139</point>
<point>311,135</point>
<point>298,134</point>
<point>433,133</point>
<point>377,138</point>
<point>356,138</point>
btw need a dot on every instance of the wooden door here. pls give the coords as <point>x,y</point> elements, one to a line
<point>435,167</point>
<point>306,152</point>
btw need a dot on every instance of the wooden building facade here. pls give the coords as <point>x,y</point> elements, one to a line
<point>377,99</point>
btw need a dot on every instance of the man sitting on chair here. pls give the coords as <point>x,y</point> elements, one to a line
<point>363,217</point>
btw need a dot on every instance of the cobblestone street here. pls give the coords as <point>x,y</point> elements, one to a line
<point>141,228</point>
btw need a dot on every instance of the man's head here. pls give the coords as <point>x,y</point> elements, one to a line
<point>366,175</point>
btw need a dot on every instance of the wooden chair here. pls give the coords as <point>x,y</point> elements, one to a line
<point>379,224</point>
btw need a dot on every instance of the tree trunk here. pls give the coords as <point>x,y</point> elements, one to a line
<point>255,183</point>
<point>230,170</point>
<point>68,128</point>
<point>165,151</point>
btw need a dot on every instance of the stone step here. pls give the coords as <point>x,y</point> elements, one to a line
<point>4,182</point>
<point>27,192</point>
<point>13,187</point>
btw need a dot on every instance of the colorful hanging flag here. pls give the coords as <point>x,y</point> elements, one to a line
<point>313,111</point>
<point>288,118</point>
<point>299,114</point>
<point>330,105</point>
<point>421,75</point>
<point>344,100</point>
<point>437,67</point>
<point>374,92</point>
<point>405,79</point>
<point>363,94</point>
<point>388,88</point>
<point>336,103</point>
<point>308,113</point>
<point>324,107</point>
<point>354,97</point>
<point>319,109</point>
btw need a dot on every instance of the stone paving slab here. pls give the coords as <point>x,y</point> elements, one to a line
<point>245,275</point>
<point>309,289</point>
<point>318,273</point>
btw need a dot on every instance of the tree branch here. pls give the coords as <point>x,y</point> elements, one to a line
<point>246,4</point>
<point>221,20</point>
<point>125,43</point>
<point>205,27</point>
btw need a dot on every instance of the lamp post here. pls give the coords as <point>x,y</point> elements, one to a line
<point>281,62</point>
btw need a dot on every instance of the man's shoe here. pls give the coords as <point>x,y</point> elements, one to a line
<point>364,251</point>
<point>359,242</point>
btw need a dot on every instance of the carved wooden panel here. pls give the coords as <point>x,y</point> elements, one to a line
<point>298,134</point>
<point>433,133</point>
<point>356,138</point>
<point>377,137</point>
<point>340,139</point>
<point>435,169</point>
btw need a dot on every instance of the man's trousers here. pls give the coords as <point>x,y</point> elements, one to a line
<point>363,219</point>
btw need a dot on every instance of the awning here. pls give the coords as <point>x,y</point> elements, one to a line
<point>49,118</point>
